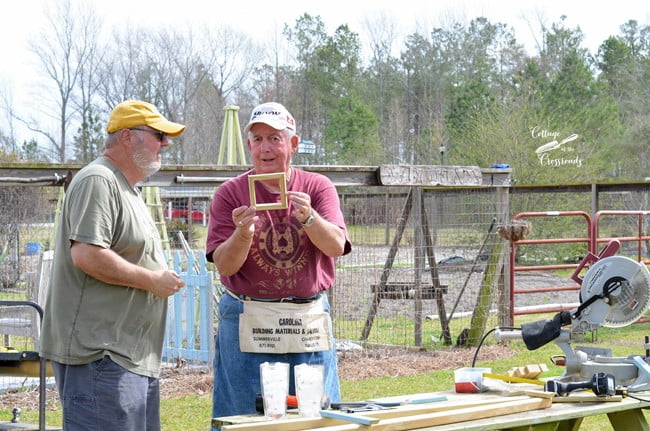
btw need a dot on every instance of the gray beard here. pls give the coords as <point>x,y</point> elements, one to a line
<point>147,166</point>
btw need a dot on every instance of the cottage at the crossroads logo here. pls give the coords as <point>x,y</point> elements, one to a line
<point>556,153</point>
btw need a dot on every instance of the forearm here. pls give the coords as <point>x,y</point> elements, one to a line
<point>326,236</point>
<point>231,254</point>
<point>107,266</point>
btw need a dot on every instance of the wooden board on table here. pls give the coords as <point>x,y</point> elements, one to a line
<point>439,413</point>
<point>442,418</point>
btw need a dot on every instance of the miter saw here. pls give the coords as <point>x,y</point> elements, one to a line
<point>614,292</point>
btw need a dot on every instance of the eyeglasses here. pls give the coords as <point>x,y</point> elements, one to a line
<point>160,135</point>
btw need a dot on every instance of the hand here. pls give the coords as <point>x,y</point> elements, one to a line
<point>244,219</point>
<point>166,283</point>
<point>301,205</point>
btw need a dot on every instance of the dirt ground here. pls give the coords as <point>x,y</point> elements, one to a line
<point>354,365</point>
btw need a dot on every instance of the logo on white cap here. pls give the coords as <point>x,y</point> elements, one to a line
<point>273,114</point>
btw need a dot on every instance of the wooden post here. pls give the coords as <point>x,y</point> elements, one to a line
<point>435,279</point>
<point>502,218</point>
<point>594,199</point>
<point>386,217</point>
<point>418,257</point>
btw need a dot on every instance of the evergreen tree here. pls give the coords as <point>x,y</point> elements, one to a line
<point>89,140</point>
<point>351,137</point>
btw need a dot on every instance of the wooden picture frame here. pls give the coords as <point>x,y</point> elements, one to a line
<point>281,177</point>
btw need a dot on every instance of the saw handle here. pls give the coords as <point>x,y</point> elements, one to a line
<point>610,285</point>
<point>610,249</point>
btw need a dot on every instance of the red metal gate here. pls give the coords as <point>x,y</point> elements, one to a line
<point>514,268</point>
<point>591,238</point>
<point>642,220</point>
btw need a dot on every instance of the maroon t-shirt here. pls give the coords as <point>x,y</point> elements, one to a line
<point>282,261</point>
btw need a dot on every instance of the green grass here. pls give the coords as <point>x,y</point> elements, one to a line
<point>192,412</point>
<point>400,329</point>
<point>188,413</point>
<point>445,237</point>
<point>13,296</point>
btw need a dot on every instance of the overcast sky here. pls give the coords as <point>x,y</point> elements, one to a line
<point>597,20</point>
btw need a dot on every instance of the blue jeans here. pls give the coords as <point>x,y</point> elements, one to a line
<point>237,374</point>
<point>103,396</point>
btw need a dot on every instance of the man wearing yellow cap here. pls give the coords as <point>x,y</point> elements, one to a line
<point>105,312</point>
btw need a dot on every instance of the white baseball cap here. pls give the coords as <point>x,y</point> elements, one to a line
<point>273,114</point>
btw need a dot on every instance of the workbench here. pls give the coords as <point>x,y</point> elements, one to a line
<point>624,415</point>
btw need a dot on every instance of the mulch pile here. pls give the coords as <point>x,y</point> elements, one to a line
<point>364,364</point>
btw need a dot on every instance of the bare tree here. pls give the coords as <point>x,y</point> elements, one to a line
<point>190,75</point>
<point>64,47</point>
<point>383,88</point>
<point>235,57</point>
<point>121,65</point>
<point>280,54</point>
<point>89,139</point>
<point>273,80</point>
<point>8,138</point>
<point>197,77</point>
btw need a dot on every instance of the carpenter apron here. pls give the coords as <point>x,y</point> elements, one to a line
<point>284,327</point>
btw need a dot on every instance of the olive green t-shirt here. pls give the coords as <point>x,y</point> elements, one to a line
<point>85,318</point>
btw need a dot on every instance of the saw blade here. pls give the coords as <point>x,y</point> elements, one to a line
<point>628,283</point>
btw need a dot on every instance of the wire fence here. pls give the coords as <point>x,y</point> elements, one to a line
<point>383,267</point>
<point>412,264</point>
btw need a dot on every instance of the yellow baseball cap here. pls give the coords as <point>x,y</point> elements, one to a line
<point>131,113</point>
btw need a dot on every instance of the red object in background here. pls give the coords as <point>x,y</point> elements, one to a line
<point>292,401</point>
<point>466,387</point>
<point>184,214</point>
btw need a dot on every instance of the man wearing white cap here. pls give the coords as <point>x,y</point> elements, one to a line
<point>276,265</point>
<point>105,311</point>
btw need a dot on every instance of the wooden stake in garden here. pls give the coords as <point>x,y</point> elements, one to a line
<point>514,231</point>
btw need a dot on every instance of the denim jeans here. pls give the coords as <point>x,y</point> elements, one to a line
<point>103,396</point>
<point>237,374</point>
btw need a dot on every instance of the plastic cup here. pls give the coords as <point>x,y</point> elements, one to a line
<point>309,389</point>
<point>470,379</point>
<point>274,377</point>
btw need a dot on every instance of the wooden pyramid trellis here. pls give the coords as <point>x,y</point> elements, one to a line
<point>151,197</point>
<point>231,150</point>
